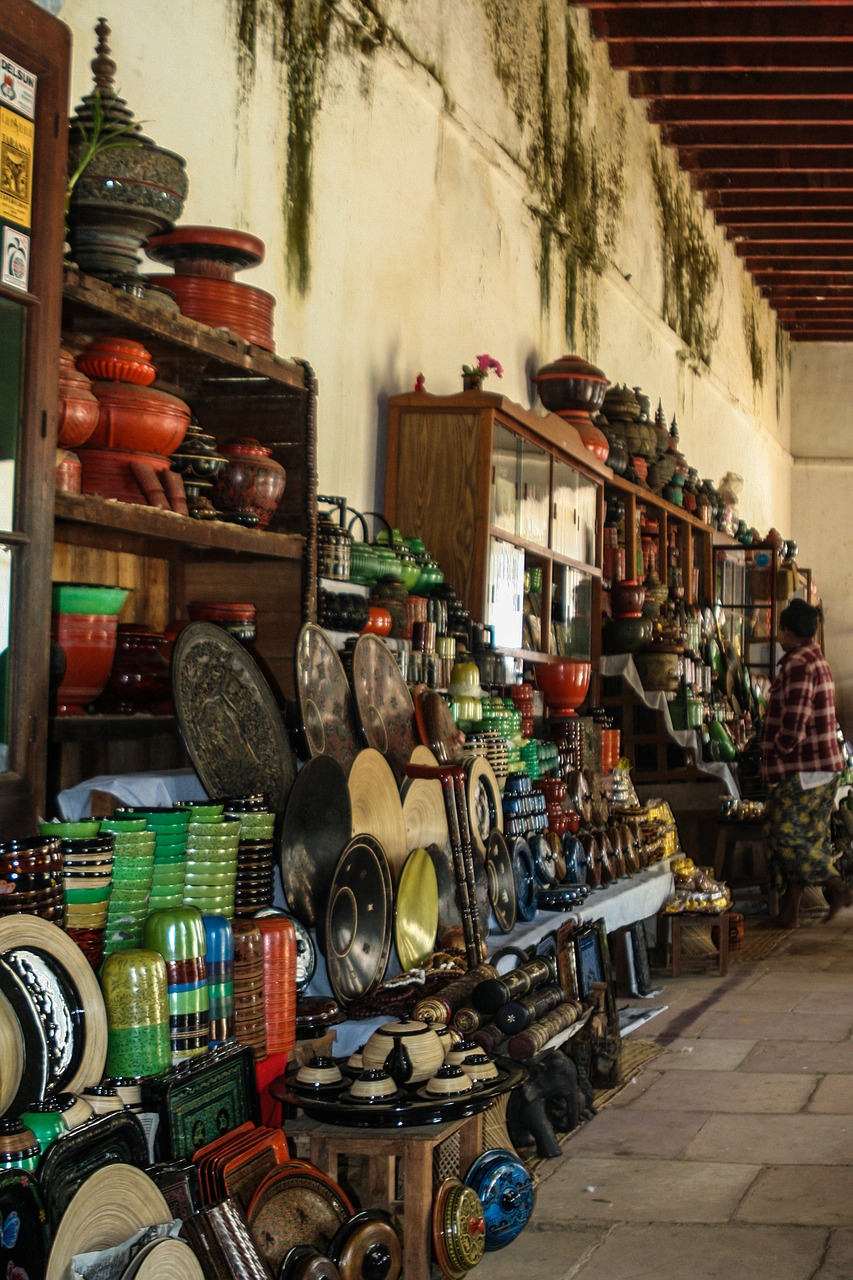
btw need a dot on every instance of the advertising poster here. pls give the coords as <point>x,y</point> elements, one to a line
<point>17,155</point>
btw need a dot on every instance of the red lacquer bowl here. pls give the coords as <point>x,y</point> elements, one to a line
<point>88,641</point>
<point>138,418</point>
<point>378,622</point>
<point>564,684</point>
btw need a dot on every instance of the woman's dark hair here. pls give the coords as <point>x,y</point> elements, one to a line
<point>801,619</point>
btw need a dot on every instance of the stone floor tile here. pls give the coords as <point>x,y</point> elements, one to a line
<point>838,1259</point>
<point>642,1190</point>
<point>635,1088</point>
<point>777,1026</point>
<point>834,1094</point>
<point>775,1140</point>
<point>637,1133</point>
<point>800,982</point>
<point>823,1001</point>
<point>764,999</point>
<point>814,1057</point>
<point>819,1196</point>
<point>643,1252</point>
<point>730,1091</point>
<point>555,1253</point>
<point>691,1054</point>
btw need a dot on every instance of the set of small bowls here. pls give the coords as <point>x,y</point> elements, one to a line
<point>133,870</point>
<point>249,1000</point>
<point>179,936</point>
<point>135,989</point>
<point>33,869</point>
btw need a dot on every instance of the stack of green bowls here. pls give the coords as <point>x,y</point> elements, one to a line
<point>133,870</point>
<point>212,849</point>
<point>170,855</point>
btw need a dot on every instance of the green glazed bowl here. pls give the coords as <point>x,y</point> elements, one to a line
<point>87,895</point>
<point>87,597</point>
<point>204,812</point>
<point>124,826</point>
<point>71,830</point>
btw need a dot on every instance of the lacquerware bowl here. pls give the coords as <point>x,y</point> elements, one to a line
<point>373,1085</point>
<point>571,383</point>
<point>87,597</point>
<point>564,684</point>
<point>448,1082</point>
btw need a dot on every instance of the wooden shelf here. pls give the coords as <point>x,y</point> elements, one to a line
<point>141,524</point>
<point>92,306</point>
<point>84,728</point>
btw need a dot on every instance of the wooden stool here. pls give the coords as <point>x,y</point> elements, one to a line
<point>672,923</point>
<point>382,1149</point>
<point>740,858</point>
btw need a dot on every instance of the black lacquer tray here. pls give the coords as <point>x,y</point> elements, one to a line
<point>411,1109</point>
<point>115,1138</point>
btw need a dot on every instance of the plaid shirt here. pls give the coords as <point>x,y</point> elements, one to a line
<point>800,728</point>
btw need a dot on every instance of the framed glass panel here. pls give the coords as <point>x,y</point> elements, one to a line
<point>505,593</point>
<point>534,507</point>
<point>506,459</point>
<point>571,613</point>
<point>573,527</point>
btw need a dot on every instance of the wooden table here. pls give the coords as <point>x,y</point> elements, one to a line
<point>410,1148</point>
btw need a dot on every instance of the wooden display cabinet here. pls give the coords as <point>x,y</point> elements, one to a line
<point>33,120</point>
<point>502,497</point>
<point>694,540</point>
<point>234,389</point>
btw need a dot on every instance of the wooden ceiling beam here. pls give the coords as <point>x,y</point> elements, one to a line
<point>789,135</point>
<point>772,86</point>
<point>723,23</point>
<point>742,55</point>
<point>822,164</point>
<point>713,113</point>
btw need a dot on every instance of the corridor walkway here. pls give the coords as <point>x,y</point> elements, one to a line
<point>731,1154</point>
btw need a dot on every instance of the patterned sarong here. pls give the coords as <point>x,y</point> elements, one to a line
<point>796,831</point>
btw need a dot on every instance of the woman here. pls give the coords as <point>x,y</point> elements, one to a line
<point>801,763</point>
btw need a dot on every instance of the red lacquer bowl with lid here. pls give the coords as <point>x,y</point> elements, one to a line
<point>117,360</point>
<point>138,418</point>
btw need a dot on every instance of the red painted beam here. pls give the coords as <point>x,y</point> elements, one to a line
<point>758,113</point>
<point>819,240</point>
<point>704,55</point>
<point>767,159</point>
<point>792,134</point>
<point>723,23</point>
<point>753,85</point>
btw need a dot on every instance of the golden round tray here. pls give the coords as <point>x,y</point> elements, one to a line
<point>416,911</point>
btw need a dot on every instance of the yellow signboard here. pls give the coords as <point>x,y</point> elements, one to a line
<point>16,168</point>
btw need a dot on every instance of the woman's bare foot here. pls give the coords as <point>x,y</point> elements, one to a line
<point>840,896</point>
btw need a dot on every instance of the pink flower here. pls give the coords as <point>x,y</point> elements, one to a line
<point>482,366</point>
<point>15,1273</point>
<point>486,362</point>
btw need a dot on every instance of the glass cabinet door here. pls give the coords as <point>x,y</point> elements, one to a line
<point>506,462</point>
<point>571,613</point>
<point>534,507</point>
<point>574,514</point>
<point>505,593</point>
